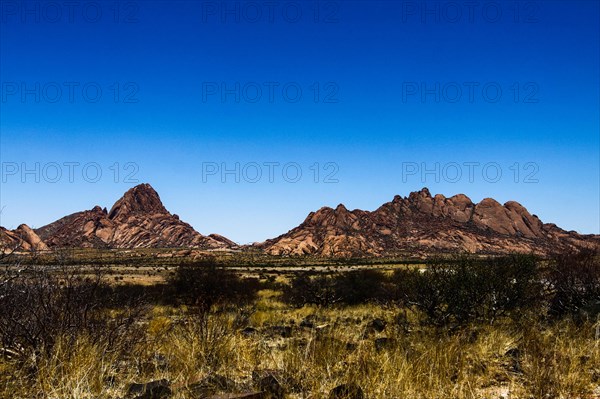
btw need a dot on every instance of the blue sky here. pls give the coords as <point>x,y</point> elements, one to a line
<point>170,91</point>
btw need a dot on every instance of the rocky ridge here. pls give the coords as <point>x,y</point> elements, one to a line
<point>417,225</point>
<point>425,224</point>
<point>23,238</point>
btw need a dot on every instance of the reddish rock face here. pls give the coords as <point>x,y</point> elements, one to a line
<point>137,220</point>
<point>407,226</point>
<point>142,199</point>
<point>421,225</point>
<point>23,238</point>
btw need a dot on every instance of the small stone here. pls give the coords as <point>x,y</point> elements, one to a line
<point>514,353</point>
<point>307,322</point>
<point>346,391</point>
<point>282,331</point>
<point>384,343</point>
<point>351,346</point>
<point>246,395</point>
<point>151,390</point>
<point>271,385</point>
<point>515,362</point>
<point>249,331</point>
<point>273,382</point>
<point>377,325</point>
<point>211,385</point>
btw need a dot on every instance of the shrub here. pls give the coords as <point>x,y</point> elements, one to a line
<point>349,288</point>
<point>466,289</point>
<point>317,290</point>
<point>42,304</point>
<point>574,280</point>
<point>204,284</point>
<point>357,287</point>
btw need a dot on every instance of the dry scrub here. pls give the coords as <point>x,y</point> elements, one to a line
<point>391,349</point>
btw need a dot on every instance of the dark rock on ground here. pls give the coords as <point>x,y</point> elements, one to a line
<point>307,322</point>
<point>377,325</point>
<point>271,385</point>
<point>351,346</point>
<point>249,331</point>
<point>212,385</point>
<point>159,389</point>
<point>514,353</point>
<point>384,343</point>
<point>275,382</point>
<point>514,361</point>
<point>346,391</point>
<point>247,395</point>
<point>282,331</point>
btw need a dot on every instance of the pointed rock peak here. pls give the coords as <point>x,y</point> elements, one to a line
<point>140,199</point>
<point>309,216</point>
<point>30,240</point>
<point>324,213</point>
<point>143,188</point>
<point>24,228</point>
<point>98,209</point>
<point>341,208</point>
<point>222,239</point>
<point>417,195</point>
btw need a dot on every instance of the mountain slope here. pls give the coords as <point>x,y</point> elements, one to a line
<point>137,220</point>
<point>422,224</point>
<point>23,238</point>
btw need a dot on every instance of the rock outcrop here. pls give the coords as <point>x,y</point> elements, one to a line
<point>417,225</point>
<point>137,220</point>
<point>422,224</point>
<point>23,238</point>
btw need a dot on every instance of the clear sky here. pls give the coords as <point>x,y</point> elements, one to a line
<point>219,105</point>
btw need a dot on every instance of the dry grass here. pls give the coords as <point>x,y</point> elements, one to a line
<point>545,361</point>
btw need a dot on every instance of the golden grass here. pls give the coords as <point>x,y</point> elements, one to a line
<point>554,361</point>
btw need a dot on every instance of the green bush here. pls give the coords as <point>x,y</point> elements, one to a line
<point>466,289</point>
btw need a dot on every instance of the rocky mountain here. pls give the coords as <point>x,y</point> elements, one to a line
<point>417,225</point>
<point>137,220</point>
<point>421,224</point>
<point>23,238</point>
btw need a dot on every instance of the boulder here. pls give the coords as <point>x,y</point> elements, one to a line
<point>159,389</point>
<point>346,391</point>
<point>212,385</point>
<point>377,325</point>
